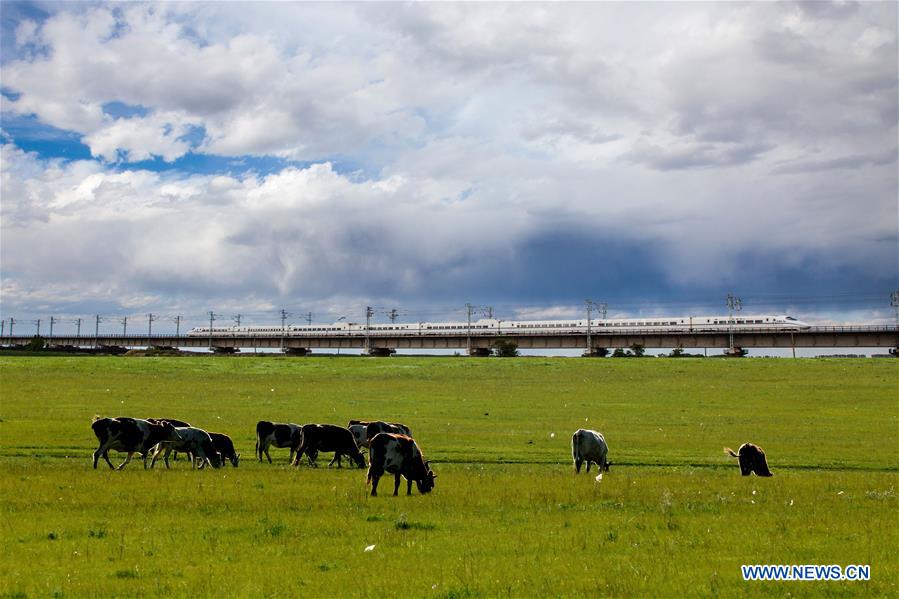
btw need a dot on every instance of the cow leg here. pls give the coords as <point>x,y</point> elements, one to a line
<point>127,459</point>
<point>267,455</point>
<point>588,465</point>
<point>104,453</point>
<point>577,465</point>
<point>396,484</point>
<point>374,485</point>
<point>408,487</point>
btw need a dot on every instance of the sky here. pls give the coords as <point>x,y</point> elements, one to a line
<point>245,158</point>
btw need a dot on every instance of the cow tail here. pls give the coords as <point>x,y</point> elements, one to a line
<point>730,452</point>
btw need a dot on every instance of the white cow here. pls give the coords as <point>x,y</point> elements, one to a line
<point>590,446</point>
<point>194,441</point>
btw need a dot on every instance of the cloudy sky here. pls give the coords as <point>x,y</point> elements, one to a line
<point>246,157</point>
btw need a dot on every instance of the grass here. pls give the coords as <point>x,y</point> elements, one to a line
<point>508,516</point>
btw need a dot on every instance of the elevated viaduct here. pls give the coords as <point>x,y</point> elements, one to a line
<point>886,336</point>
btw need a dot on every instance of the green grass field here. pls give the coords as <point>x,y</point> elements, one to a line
<point>508,516</point>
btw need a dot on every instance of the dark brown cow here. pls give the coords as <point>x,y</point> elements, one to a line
<point>277,434</point>
<point>399,455</point>
<point>328,437</point>
<point>752,459</point>
<point>129,435</point>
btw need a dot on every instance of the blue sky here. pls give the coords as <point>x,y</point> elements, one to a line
<point>177,158</point>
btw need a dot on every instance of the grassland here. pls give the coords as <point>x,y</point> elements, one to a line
<point>508,516</point>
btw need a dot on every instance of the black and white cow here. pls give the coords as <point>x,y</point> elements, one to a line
<point>129,435</point>
<point>752,459</point>
<point>276,434</point>
<point>328,437</point>
<point>400,456</point>
<point>590,446</point>
<point>195,442</point>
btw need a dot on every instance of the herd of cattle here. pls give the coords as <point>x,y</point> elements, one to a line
<point>390,445</point>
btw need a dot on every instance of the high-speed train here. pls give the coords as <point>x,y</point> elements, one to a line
<point>491,326</point>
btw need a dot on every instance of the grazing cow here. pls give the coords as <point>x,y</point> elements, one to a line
<point>394,428</point>
<point>590,446</point>
<point>195,442</point>
<point>752,459</point>
<point>130,435</point>
<point>225,446</point>
<point>278,435</point>
<point>399,455</point>
<point>328,437</point>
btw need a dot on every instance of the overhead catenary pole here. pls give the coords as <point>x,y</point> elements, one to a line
<point>38,323</point>
<point>12,321</point>
<point>150,318</point>
<point>733,303</point>
<point>309,318</point>
<point>78,330</point>
<point>894,302</point>
<point>589,304</point>
<point>369,312</point>
<point>470,309</point>
<point>177,320</point>
<point>97,330</point>
<point>237,318</point>
<point>284,316</point>
<point>124,322</point>
<point>212,318</point>
<point>53,320</point>
<point>392,315</point>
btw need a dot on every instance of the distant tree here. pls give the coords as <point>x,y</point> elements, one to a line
<point>37,343</point>
<point>505,348</point>
<point>620,353</point>
<point>677,352</point>
<point>638,350</point>
<point>600,352</point>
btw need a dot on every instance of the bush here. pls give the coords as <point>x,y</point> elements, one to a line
<point>506,349</point>
<point>37,343</point>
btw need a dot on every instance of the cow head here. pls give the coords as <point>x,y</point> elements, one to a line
<point>426,483</point>
<point>607,466</point>
<point>235,459</point>
<point>167,430</point>
<point>359,459</point>
<point>215,458</point>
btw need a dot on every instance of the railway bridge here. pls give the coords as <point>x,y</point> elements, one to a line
<point>480,343</point>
